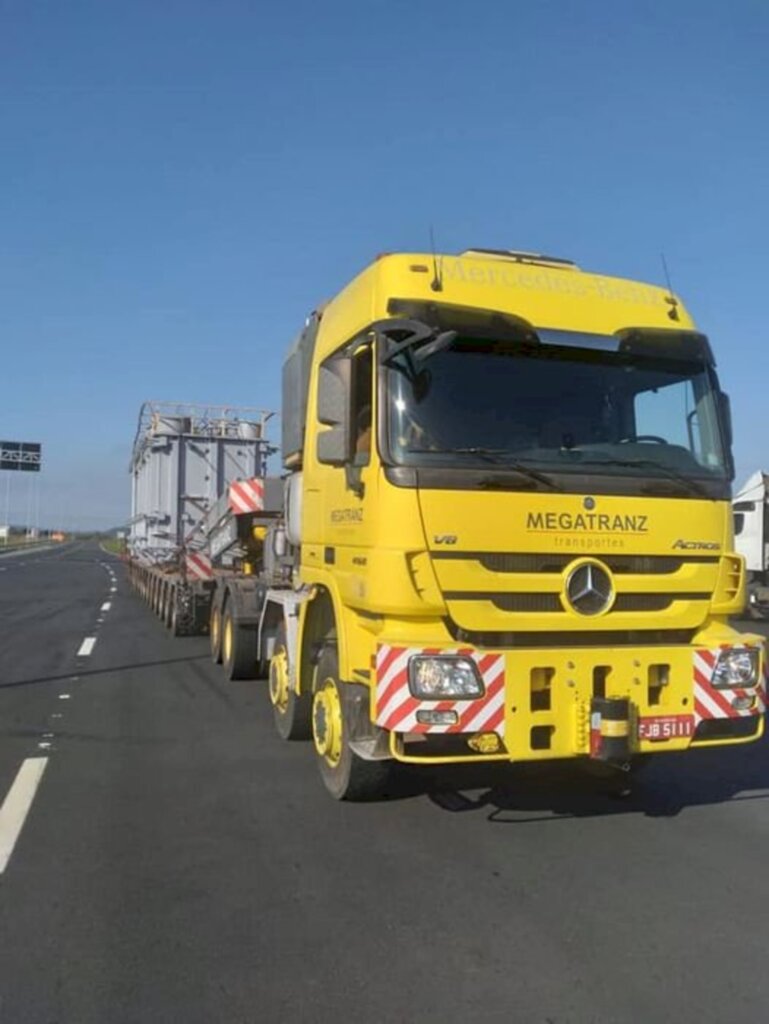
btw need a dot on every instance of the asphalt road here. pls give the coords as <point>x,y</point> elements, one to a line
<point>180,863</point>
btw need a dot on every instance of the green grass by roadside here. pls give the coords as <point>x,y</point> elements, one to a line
<point>113,545</point>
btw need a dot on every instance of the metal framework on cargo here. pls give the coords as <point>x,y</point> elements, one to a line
<point>185,457</point>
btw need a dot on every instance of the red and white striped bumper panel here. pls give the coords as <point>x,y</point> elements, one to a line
<point>396,708</point>
<point>198,566</point>
<point>716,702</point>
<point>247,496</point>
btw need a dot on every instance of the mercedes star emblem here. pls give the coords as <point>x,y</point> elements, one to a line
<point>589,589</point>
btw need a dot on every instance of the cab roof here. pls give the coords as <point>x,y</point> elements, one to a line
<point>546,291</point>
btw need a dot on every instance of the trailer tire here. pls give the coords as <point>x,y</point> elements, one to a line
<point>168,606</point>
<point>174,621</point>
<point>238,646</point>
<point>292,711</point>
<point>215,632</point>
<point>345,775</point>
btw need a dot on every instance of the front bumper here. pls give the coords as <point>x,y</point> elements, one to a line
<point>541,704</point>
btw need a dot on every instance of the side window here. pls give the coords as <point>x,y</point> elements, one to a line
<point>739,522</point>
<point>361,405</point>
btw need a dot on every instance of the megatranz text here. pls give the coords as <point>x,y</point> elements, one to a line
<point>588,522</point>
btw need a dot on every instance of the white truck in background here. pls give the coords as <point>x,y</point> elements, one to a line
<point>751,539</point>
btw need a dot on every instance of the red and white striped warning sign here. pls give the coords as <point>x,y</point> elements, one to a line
<point>247,495</point>
<point>198,566</point>
<point>716,702</point>
<point>396,708</point>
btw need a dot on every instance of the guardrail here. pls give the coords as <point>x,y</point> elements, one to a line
<point>26,545</point>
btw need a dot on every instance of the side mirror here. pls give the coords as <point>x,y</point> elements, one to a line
<point>334,445</point>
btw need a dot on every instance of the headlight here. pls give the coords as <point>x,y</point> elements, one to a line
<point>736,668</point>
<point>444,677</point>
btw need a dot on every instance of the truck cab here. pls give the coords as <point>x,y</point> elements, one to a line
<point>509,510</point>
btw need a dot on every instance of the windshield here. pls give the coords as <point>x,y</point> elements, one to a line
<point>556,407</point>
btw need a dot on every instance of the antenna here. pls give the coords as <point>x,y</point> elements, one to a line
<point>437,282</point>
<point>670,297</point>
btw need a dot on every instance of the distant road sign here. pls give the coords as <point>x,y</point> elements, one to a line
<point>21,455</point>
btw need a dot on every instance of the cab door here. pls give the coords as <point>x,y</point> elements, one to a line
<point>346,469</point>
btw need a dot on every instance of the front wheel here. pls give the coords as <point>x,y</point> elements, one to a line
<point>345,775</point>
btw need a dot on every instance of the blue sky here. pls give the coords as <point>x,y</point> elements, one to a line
<point>182,181</point>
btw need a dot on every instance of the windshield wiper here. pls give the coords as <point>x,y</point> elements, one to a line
<point>497,457</point>
<point>693,486</point>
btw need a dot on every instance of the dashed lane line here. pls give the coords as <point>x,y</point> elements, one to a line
<point>86,647</point>
<point>16,805</point>
<point>106,606</point>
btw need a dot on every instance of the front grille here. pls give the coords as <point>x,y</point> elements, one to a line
<point>652,602</point>
<point>506,590</point>
<point>552,603</point>
<point>640,565</point>
<point>519,602</point>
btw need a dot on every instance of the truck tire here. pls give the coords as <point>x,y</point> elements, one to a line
<point>291,711</point>
<point>215,631</point>
<point>174,618</point>
<point>169,606</point>
<point>345,775</point>
<point>238,646</point>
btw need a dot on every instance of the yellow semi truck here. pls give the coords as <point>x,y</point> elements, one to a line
<point>507,531</point>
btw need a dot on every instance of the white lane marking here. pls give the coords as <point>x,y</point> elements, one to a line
<point>63,696</point>
<point>106,606</point>
<point>56,714</point>
<point>44,746</point>
<point>113,590</point>
<point>86,647</point>
<point>16,805</point>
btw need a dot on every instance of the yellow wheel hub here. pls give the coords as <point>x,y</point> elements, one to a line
<point>279,679</point>
<point>216,626</point>
<point>327,722</point>
<point>227,640</point>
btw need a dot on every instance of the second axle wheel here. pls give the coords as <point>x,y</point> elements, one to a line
<point>292,712</point>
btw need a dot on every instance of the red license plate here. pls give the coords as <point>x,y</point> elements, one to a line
<point>665,727</point>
